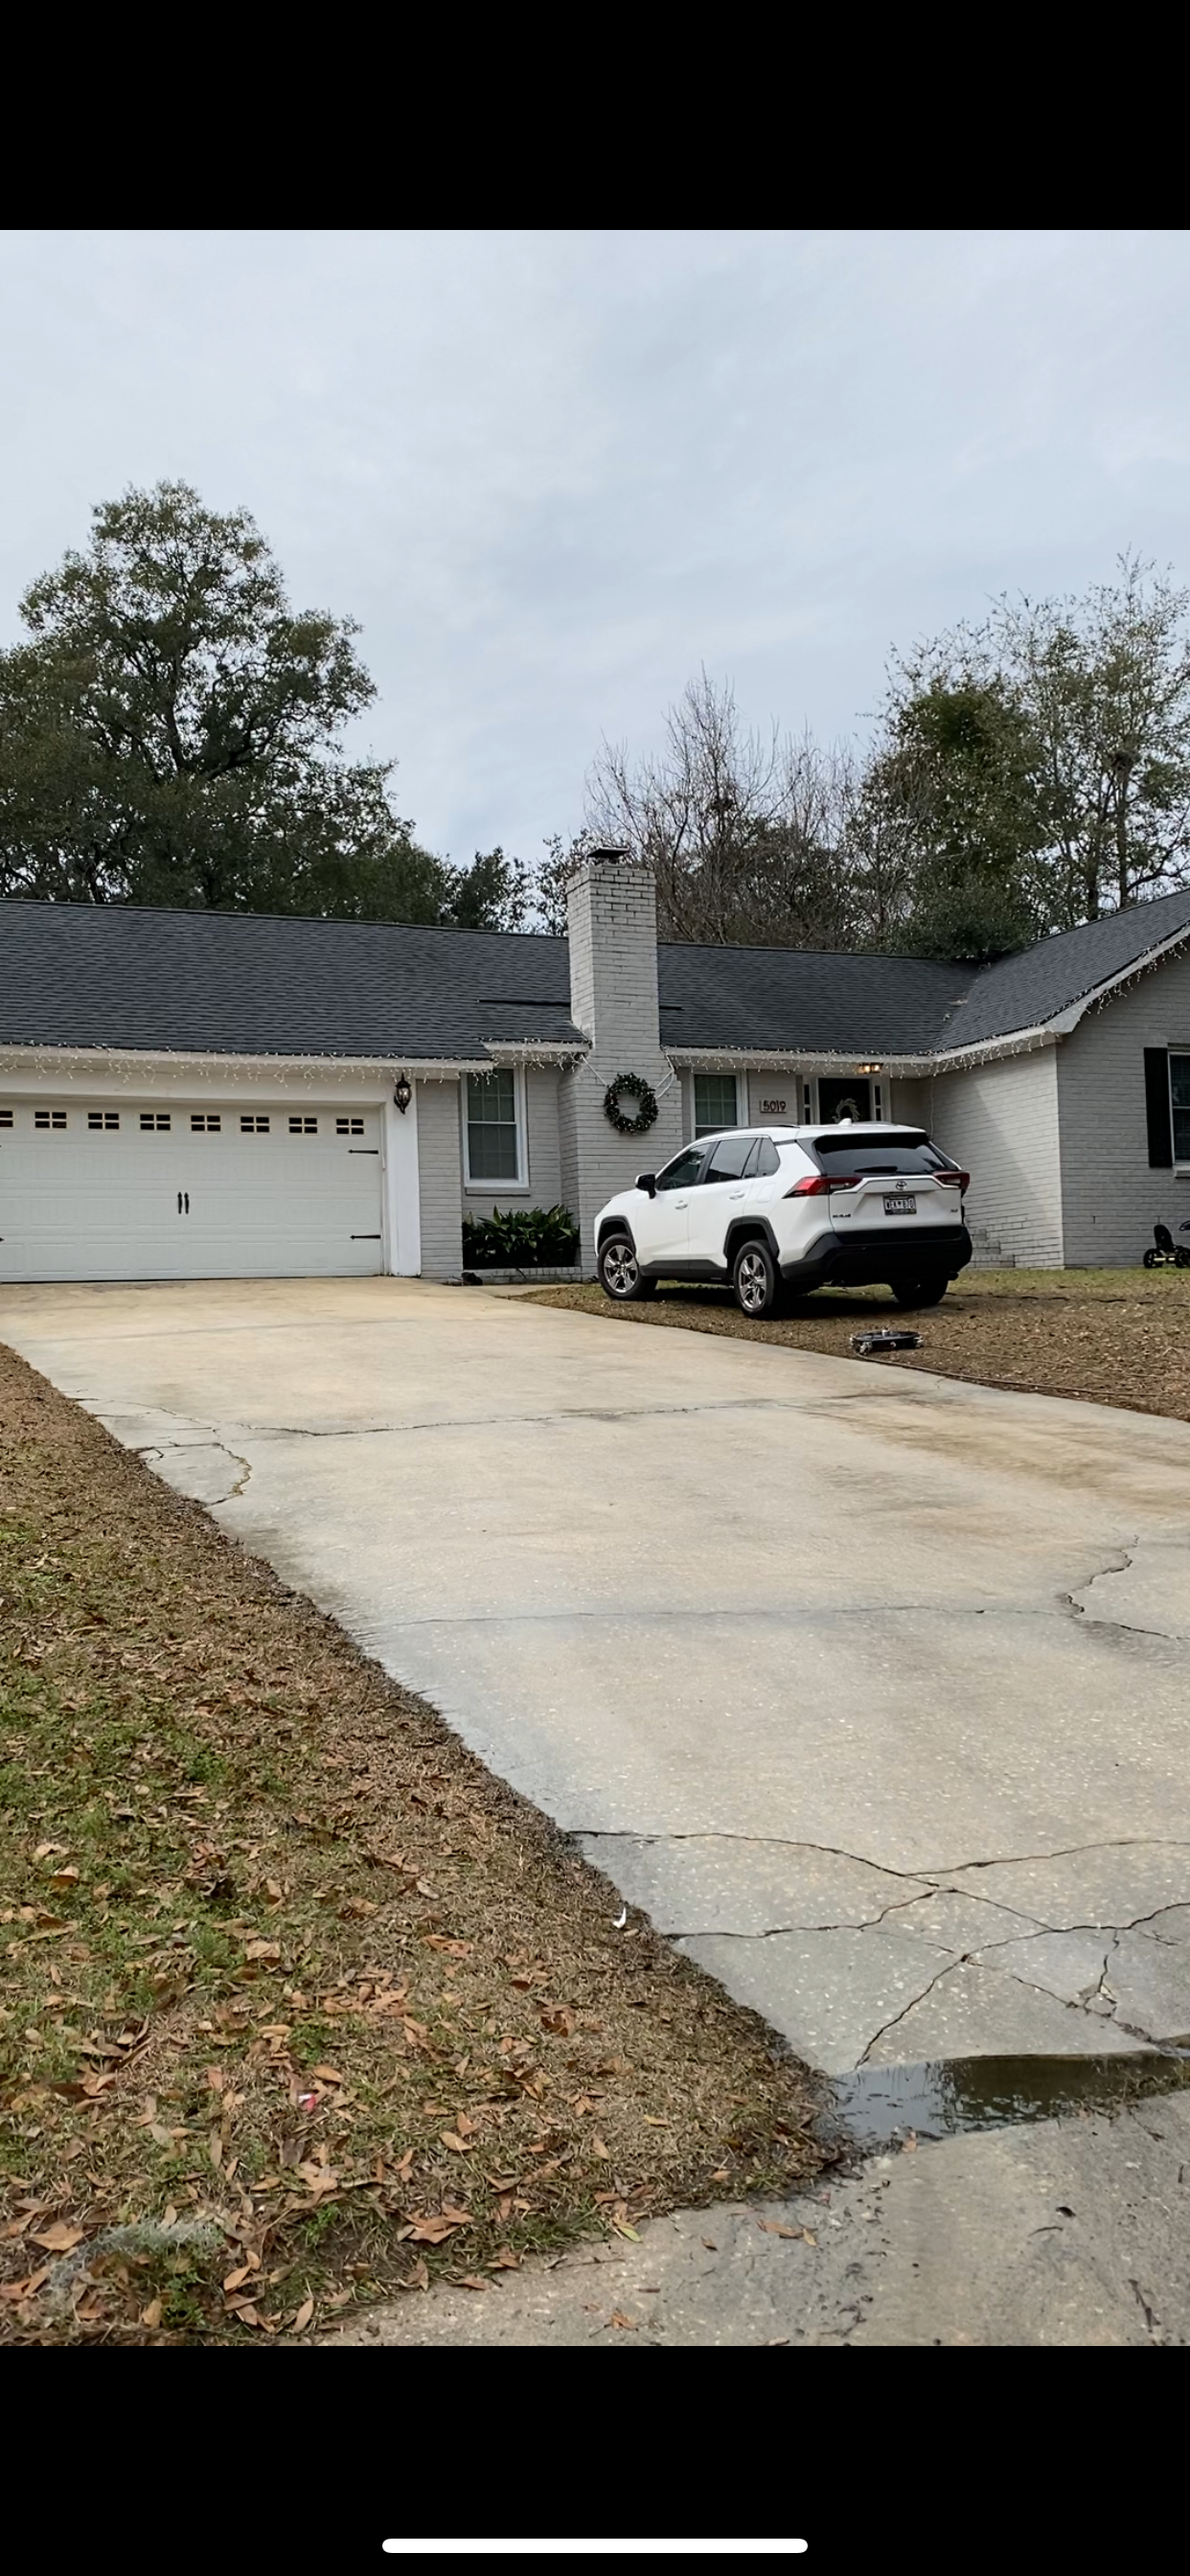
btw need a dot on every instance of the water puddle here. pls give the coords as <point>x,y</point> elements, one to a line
<point>879,2104</point>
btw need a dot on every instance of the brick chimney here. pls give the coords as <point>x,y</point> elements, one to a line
<point>612,928</point>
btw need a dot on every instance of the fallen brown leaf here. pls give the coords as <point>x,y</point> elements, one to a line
<point>59,2238</point>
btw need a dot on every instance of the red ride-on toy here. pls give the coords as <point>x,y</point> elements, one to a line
<point>1164,1254</point>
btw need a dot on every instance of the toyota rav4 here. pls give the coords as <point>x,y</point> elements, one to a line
<point>781,1210</point>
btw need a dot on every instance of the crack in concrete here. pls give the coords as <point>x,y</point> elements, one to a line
<point>934,1872</point>
<point>891,2023</point>
<point>1095,1619</point>
<point>1124,1552</point>
<point>517,1421</point>
<point>153,1452</point>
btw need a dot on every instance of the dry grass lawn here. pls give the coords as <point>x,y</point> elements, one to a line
<point>300,2004</point>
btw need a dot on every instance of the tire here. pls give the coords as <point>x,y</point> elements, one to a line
<point>927,1291</point>
<point>1181,1259</point>
<point>756,1280</point>
<point>1150,1259</point>
<point>619,1271</point>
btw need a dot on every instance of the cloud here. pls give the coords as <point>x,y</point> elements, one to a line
<point>553,473</point>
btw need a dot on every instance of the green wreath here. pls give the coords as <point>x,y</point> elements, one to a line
<point>646,1105</point>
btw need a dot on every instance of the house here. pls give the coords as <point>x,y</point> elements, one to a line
<point>201,1095</point>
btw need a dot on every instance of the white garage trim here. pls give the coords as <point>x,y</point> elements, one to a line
<point>162,1186</point>
<point>133,1082</point>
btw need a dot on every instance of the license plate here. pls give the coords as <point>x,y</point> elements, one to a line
<point>900,1207</point>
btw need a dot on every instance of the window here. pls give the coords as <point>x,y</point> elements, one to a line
<point>493,1135</point>
<point>763,1160</point>
<point>49,1118</point>
<point>715,1103</point>
<point>5,1117</point>
<point>254,1126</point>
<point>731,1158</point>
<point>349,1126</point>
<point>1179,1088</point>
<point>303,1126</point>
<point>684,1170</point>
<point>848,1157</point>
<point>103,1118</point>
<point>155,1121</point>
<point>203,1124</point>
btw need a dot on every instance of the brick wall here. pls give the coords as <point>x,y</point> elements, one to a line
<point>1111,1199</point>
<point>1001,1123</point>
<point>440,1179</point>
<point>612,929</point>
<point>543,1187</point>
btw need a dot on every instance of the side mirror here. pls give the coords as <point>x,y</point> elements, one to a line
<point>647,1181</point>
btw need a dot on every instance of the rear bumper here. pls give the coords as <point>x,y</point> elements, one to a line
<point>878,1253</point>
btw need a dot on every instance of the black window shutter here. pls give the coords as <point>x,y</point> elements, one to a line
<point>1157,1109</point>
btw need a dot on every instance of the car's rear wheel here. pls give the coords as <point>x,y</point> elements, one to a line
<point>929,1290</point>
<point>756,1280</point>
<point>619,1271</point>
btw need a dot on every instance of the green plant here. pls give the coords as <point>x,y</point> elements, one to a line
<point>520,1238</point>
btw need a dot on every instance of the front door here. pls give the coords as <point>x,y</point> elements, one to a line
<point>850,1097</point>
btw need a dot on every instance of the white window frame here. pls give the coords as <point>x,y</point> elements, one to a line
<point>486,1189</point>
<point>1181,1163</point>
<point>712,1074</point>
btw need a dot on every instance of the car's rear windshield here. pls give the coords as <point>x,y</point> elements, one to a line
<point>847,1158</point>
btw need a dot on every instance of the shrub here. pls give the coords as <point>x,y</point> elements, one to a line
<point>520,1239</point>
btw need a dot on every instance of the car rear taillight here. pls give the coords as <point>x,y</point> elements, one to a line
<point>815,1186</point>
<point>954,1180</point>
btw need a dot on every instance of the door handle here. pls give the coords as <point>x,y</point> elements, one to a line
<point>735,1194</point>
<point>186,1196</point>
<point>183,1202</point>
<point>681,1203</point>
<point>179,1203</point>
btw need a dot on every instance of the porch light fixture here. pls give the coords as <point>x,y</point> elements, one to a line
<point>403,1093</point>
<point>868,1068</point>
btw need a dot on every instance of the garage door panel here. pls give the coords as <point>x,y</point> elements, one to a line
<point>188,1193</point>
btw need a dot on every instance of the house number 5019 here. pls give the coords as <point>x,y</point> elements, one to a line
<point>772,1108</point>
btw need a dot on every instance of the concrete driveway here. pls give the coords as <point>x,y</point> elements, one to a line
<point>872,1689</point>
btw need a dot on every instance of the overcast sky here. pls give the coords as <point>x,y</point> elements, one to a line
<point>552,473</point>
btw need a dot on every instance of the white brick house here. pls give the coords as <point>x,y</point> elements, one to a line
<point>205,1095</point>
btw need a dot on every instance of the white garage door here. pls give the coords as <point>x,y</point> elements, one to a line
<point>149,1191</point>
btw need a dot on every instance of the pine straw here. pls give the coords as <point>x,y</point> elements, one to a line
<point>300,2004</point>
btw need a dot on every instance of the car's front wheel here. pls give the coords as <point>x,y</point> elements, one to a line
<point>619,1271</point>
<point>926,1291</point>
<point>756,1280</point>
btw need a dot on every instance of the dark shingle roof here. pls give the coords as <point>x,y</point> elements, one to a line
<point>1026,991</point>
<point>250,984</point>
<point>804,998</point>
<point>87,975</point>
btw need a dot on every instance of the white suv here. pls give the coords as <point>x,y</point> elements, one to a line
<point>781,1210</point>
